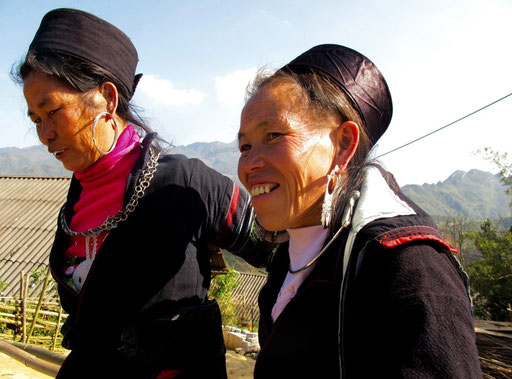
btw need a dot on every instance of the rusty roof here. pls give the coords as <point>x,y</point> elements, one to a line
<point>29,207</point>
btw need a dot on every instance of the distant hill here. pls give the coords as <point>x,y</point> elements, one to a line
<point>34,160</point>
<point>238,264</point>
<point>474,194</point>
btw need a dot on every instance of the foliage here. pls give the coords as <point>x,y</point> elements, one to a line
<point>3,285</point>
<point>221,289</point>
<point>455,229</point>
<point>491,276</point>
<point>500,160</point>
<point>38,276</point>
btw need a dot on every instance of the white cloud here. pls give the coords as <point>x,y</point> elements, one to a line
<point>231,87</point>
<point>162,91</point>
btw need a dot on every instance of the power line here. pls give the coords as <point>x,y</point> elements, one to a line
<point>444,127</point>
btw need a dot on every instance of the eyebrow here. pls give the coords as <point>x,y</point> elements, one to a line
<point>40,105</point>
<point>259,126</point>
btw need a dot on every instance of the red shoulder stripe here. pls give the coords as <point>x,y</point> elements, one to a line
<point>404,235</point>
<point>228,221</point>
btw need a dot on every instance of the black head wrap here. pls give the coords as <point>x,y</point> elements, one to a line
<point>357,77</point>
<point>83,35</point>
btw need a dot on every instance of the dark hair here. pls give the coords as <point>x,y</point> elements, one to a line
<point>325,99</point>
<point>82,76</point>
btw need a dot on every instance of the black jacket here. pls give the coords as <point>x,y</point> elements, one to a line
<point>144,304</point>
<point>400,309</point>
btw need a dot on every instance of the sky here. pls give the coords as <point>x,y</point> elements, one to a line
<point>441,59</point>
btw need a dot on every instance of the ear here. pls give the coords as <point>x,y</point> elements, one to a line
<point>346,139</point>
<point>111,96</point>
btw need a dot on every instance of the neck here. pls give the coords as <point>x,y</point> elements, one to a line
<point>305,243</point>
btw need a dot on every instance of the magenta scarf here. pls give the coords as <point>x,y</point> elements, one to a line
<point>103,188</point>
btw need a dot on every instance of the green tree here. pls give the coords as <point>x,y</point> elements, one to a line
<point>501,161</point>
<point>455,229</point>
<point>221,289</point>
<point>491,276</point>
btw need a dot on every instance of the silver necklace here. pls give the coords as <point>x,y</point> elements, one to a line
<point>347,219</point>
<point>111,222</point>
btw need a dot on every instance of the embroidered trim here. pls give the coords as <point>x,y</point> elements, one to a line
<point>407,234</point>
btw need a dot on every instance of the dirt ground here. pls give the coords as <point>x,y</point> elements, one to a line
<point>11,368</point>
<point>239,367</point>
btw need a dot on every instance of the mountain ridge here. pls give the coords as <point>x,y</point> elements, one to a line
<point>473,194</point>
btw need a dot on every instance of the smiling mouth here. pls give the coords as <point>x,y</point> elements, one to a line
<point>57,153</point>
<point>263,189</point>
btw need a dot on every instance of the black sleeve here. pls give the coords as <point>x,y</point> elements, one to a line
<point>411,317</point>
<point>228,207</point>
<point>230,215</point>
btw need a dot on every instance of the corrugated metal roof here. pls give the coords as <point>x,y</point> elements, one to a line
<point>29,207</point>
<point>28,218</point>
<point>245,296</point>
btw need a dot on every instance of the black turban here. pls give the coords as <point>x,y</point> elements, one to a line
<point>85,36</point>
<point>357,77</point>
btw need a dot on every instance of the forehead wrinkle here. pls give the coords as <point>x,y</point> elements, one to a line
<point>41,104</point>
<point>259,126</point>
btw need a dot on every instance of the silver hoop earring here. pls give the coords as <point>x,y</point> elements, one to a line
<point>98,117</point>
<point>328,197</point>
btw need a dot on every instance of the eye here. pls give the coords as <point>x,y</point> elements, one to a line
<point>244,147</point>
<point>36,121</point>
<point>273,135</point>
<point>52,112</point>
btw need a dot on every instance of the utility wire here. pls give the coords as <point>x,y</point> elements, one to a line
<point>444,127</point>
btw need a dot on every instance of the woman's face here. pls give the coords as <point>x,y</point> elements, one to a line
<point>63,119</point>
<point>286,154</point>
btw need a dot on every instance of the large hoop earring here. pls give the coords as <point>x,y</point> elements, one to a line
<point>94,142</point>
<point>328,197</point>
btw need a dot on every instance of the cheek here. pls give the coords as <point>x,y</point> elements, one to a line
<point>81,130</point>
<point>307,179</point>
<point>296,166</point>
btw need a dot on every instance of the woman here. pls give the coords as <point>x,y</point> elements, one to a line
<point>365,286</point>
<point>131,253</point>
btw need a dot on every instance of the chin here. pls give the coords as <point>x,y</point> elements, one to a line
<point>271,224</point>
<point>70,167</point>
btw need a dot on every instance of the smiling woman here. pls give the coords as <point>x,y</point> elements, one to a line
<point>285,157</point>
<point>365,287</point>
<point>135,235</point>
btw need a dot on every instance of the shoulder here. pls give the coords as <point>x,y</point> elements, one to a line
<point>179,169</point>
<point>178,162</point>
<point>395,237</point>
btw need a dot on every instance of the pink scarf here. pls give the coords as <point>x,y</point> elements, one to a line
<point>305,243</point>
<point>103,188</point>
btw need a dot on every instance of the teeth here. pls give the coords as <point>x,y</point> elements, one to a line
<point>57,152</point>
<point>258,190</point>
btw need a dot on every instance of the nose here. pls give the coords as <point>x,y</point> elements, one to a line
<point>46,132</point>
<point>251,162</point>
